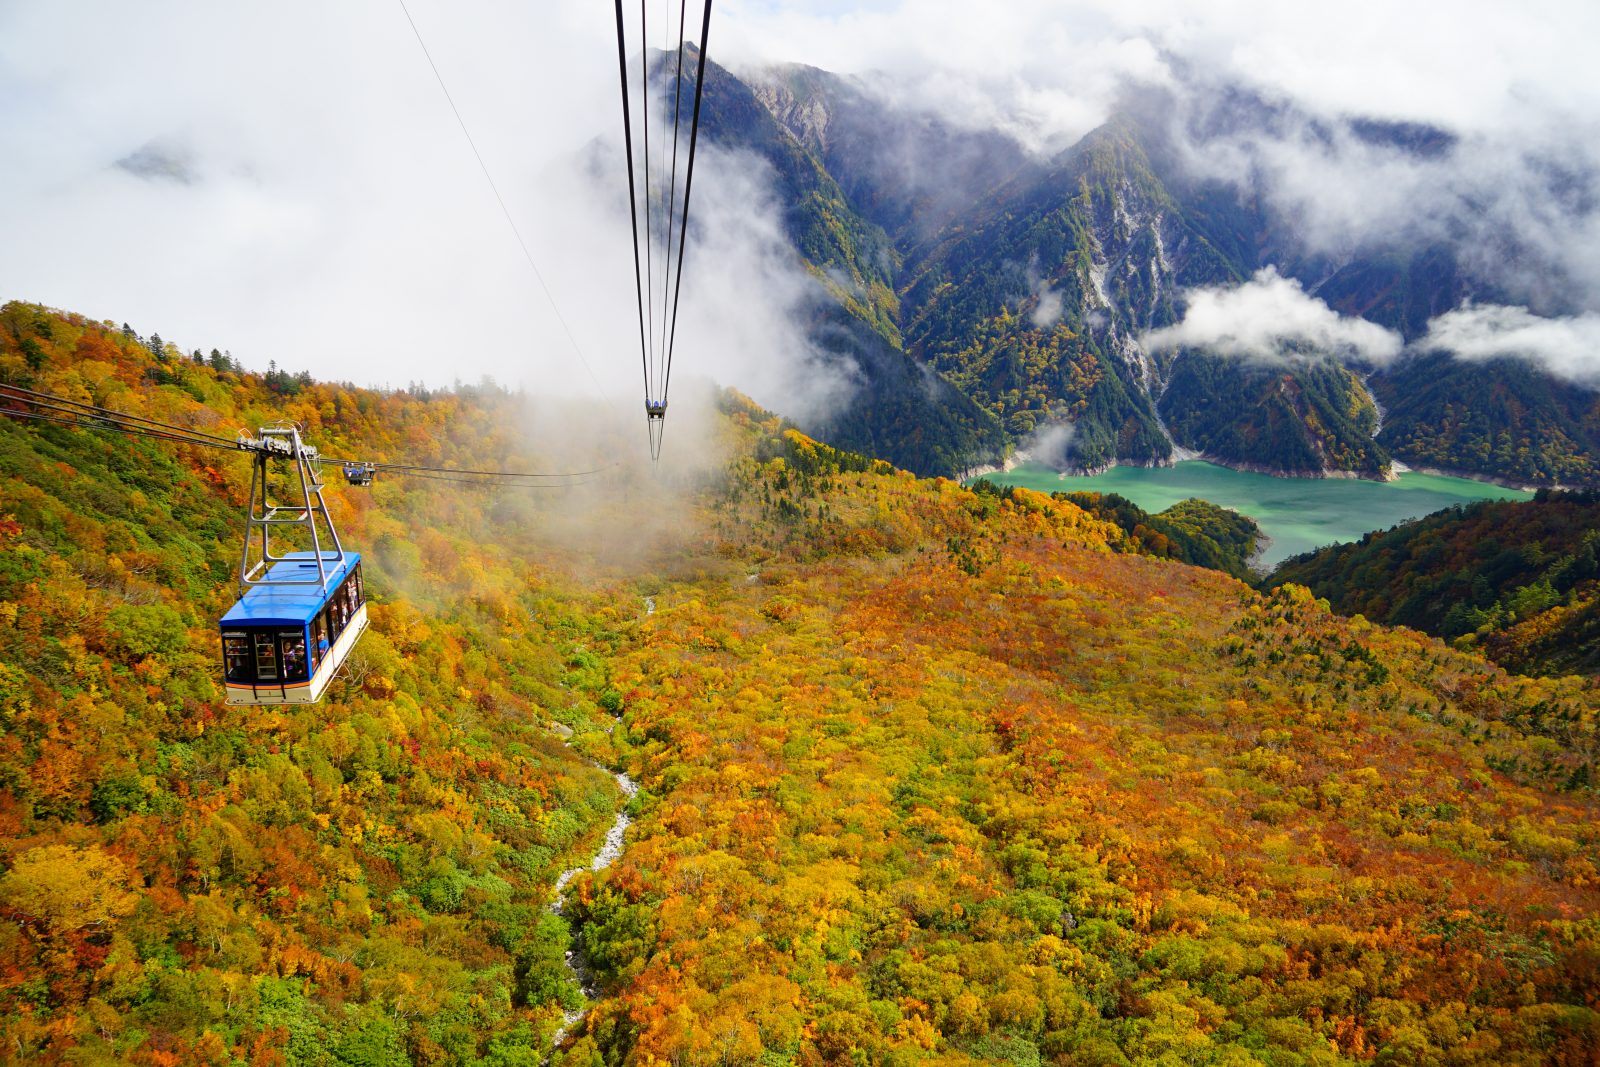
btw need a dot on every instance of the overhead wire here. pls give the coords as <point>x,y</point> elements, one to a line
<point>688,184</point>
<point>649,226</point>
<point>404,467</point>
<point>80,424</point>
<point>656,358</point>
<point>501,483</point>
<point>510,220</point>
<point>633,196</point>
<point>63,403</point>
<point>77,414</point>
<point>672,192</point>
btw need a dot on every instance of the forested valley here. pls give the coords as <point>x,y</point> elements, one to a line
<point>926,774</point>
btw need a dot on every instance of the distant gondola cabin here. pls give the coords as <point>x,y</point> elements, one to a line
<point>283,643</point>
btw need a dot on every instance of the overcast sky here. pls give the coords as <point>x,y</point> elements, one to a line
<point>286,181</point>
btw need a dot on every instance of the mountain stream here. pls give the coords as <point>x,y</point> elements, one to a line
<point>610,851</point>
<point>577,960</point>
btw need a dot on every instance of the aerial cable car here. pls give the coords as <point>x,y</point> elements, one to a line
<point>359,474</point>
<point>302,609</point>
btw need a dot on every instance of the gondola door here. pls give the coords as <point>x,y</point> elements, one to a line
<point>292,657</point>
<point>268,670</point>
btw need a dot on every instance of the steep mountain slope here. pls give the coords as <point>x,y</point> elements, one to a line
<point>1028,283</point>
<point>1503,418</point>
<point>1035,310</point>
<point>927,775</point>
<point>1305,417</point>
<point>1518,579</point>
<point>898,410</point>
<point>907,171</point>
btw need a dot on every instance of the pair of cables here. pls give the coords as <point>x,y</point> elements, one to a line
<point>34,406</point>
<point>656,344</point>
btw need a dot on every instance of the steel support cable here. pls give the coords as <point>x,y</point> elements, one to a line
<point>649,226</point>
<point>672,195</point>
<point>88,420</point>
<point>108,418</point>
<point>657,431</point>
<point>492,482</point>
<point>406,467</point>
<point>510,221</point>
<point>78,423</point>
<point>633,196</point>
<point>492,478</point>
<point>30,395</point>
<point>688,184</point>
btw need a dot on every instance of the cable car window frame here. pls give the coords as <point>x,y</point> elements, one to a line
<point>266,667</point>
<point>319,646</point>
<point>238,662</point>
<point>292,655</point>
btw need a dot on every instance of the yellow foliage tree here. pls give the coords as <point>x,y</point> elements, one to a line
<point>68,888</point>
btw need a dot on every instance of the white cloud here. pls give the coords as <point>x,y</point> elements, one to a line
<point>1267,319</point>
<point>1050,446</point>
<point>1048,311</point>
<point>1047,64</point>
<point>334,219</point>
<point>1566,347</point>
<point>1520,99</point>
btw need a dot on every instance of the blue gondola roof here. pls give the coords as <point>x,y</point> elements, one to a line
<point>292,605</point>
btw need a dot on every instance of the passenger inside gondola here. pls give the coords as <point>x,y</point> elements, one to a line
<point>294,658</point>
<point>236,658</point>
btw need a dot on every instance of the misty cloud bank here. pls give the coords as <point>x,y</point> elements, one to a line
<point>745,300</point>
<point>1568,348</point>
<point>1517,207</point>
<point>1049,445</point>
<point>1273,319</point>
<point>1368,127</point>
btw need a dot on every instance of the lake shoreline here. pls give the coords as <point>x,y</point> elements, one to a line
<point>1397,468</point>
<point>1296,515</point>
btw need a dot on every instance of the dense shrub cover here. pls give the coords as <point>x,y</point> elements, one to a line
<point>926,774</point>
<point>1518,579</point>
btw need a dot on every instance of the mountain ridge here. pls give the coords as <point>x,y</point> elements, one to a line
<point>1029,282</point>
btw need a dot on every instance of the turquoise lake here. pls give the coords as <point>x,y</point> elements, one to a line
<point>1298,514</point>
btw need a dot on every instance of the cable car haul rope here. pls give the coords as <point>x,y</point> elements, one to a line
<point>656,350</point>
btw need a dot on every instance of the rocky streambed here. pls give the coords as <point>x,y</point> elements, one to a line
<point>577,962</point>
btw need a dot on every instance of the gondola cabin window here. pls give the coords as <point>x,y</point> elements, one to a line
<point>236,658</point>
<point>294,656</point>
<point>319,641</point>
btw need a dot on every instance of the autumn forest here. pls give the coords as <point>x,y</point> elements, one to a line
<point>926,774</point>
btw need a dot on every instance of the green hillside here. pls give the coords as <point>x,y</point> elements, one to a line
<point>1504,418</point>
<point>1518,579</point>
<point>1299,417</point>
<point>1197,532</point>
